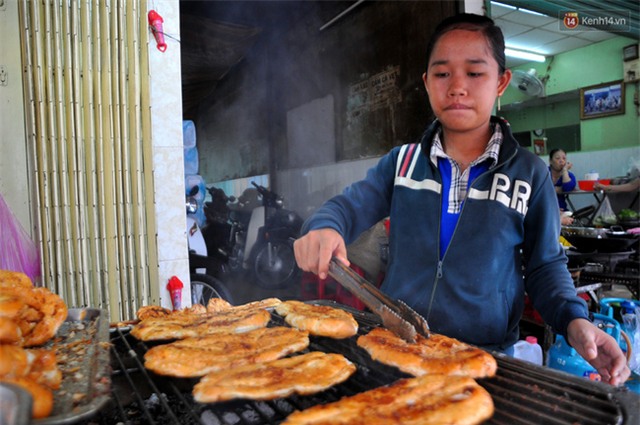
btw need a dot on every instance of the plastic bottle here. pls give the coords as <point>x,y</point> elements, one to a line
<point>188,134</point>
<point>528,350</point>
<point>630,319</point>
<point>592,175</point>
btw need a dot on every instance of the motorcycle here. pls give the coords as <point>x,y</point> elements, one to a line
<point>227,218</point>
<point>203,268</point>
<point>268,243</point>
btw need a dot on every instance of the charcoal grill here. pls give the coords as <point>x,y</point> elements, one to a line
<point>523,393</point>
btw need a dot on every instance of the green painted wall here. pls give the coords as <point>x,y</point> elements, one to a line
<point>568,72</point>
<point>553,115</point>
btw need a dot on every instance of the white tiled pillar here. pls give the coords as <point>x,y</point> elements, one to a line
<point>168,163</point>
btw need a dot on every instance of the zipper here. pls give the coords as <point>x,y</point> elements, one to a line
<point>439,271</point>
<point>439,266</point>
<point>433,290</point>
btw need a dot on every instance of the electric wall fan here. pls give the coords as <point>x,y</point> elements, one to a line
<point>528,82</point>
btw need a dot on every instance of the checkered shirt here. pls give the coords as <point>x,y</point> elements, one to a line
<point>460,180</point>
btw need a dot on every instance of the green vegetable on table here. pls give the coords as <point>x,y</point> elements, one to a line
<point>628,214</point>
<point>602,220</point>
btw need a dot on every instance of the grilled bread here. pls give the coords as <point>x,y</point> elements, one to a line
<point>152,311</point>
<point>10,278</point>
<point>216,305</point>
<point>218,316</point>
<point>184,325</point>
<point>34,370</point>
<point>10,332</point>
<point>193,357</point>
<point>155,311</point>
<point>304,374</point>
<point>435,355</point>
<point>37,313</point>
<point>41,395</point>
<point>318,320</point>
<point>424,400</point>
<point>37,364</point>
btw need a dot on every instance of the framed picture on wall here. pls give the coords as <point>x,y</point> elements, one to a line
<point>602,100</point>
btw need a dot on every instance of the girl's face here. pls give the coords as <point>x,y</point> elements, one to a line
<point>558,161</point>
<point>463,81</point>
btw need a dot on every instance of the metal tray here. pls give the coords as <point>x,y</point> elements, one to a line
<point>82,350</point>
<point>15,405</point>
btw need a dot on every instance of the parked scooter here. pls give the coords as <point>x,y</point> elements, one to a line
<point>227,219</point>
<point>203,269</point>
<point>268,246</point>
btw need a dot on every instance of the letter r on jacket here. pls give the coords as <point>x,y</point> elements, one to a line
<point>519,198</point>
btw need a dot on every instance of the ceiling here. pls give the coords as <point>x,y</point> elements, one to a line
<point>217,34</point>
<point>208,52</point>
<point>212,46</point>
<point>546,34</point>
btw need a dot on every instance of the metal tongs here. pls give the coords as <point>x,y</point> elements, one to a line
<point>396,316</point>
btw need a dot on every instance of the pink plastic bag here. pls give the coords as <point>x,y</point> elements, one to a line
<point>17,250</point>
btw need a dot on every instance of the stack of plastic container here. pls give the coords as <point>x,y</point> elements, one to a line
<point>190,149</point>
<point>191,176</point>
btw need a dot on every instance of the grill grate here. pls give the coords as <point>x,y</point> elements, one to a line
<point>522,393</point>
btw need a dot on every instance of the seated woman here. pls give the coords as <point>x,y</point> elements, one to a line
<point>562,178</point>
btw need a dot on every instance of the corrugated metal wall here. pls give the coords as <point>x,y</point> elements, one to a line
<point>88,119</point>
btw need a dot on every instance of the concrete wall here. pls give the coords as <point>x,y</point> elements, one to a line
<point>14,177</point>
<point>302,72</point>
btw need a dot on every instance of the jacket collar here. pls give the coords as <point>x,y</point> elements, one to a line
<point>507,150</point>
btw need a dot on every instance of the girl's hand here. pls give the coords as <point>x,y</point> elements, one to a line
<point>600,350</point>
<point>314,251</point>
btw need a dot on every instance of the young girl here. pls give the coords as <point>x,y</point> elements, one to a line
<point>474,218</point>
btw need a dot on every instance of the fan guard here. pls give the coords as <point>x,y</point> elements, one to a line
<point>527,82</point>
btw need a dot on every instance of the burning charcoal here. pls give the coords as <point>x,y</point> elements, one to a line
<point>251,416</point>
<point>153,402</point>
<point>265,409</point>
<point>208,418</point>
<point>231,418</point>
<point>283,406</point>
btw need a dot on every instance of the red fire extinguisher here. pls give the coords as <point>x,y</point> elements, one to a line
<point>155,22</point>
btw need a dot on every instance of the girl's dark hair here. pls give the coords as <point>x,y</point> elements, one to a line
<point>471,22</point>
<point>553,152</point>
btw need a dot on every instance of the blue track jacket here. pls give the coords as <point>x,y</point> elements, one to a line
<point>505,242</point>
